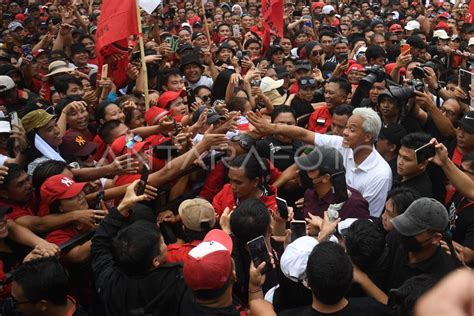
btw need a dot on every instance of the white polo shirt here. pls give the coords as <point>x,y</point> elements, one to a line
<point>372,178</point>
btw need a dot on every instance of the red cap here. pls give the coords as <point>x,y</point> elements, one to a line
<point>317,5</point>
<point>395,28</point>
<point>154,114</point>
<point>444,15</point>
<point>389,68</point>
<point>20,17</point>
<point>59,187</point>
<point>119,148</point>
<point>209,264</point>
<point>168,97</point>
<point>354,66</point>
<point>38,52</point>
<point>442,26</point>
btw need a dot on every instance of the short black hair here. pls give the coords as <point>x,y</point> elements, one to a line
<point>402,301</point>
<point>136,246</point>
<point>415,140</point>
<point>45,170</point>
<point>106,128</point>
<point>43,279</point>
<point>329,272</point>
<point>365,243</point>
<point>344,109</point>
<point>282,109</point>
<point>327,33</point>
<point>61,83</point>
<point>416,41</point>
<point>249,220</point>
<point>343,84</point>
<point>14,171</point>
<point>402,197</point>
<point>252,165</point>
<point>164,77</point>
<point>469,157</point>
<point>374,52</point>
<point>65,101</point>
<point>99,111</point>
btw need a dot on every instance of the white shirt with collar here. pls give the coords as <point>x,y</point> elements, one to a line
<point>372,178</point>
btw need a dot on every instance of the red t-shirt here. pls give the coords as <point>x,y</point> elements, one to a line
<point>179,252</point>
<point>225,198</point>
<point>320,120</point>
<point>101,147</point>
<point>60,236</point>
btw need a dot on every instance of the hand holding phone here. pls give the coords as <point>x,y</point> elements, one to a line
<point>404,48</point>
<point>298,229</point>
<point>143,180</point>
<point>259,253</point>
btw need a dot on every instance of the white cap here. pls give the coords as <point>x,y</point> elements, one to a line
<point>186,24</point>
<point>412,25</point>
<point>268,84</point>
<point>327,9</point>
<point>396,15</point>
<point>6,83</point>
<point>361,50</point>
<point>294,260</point>
<point>441,34</point>
<point>471,41</point>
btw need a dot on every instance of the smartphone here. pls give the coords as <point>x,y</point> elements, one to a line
<point>298,229</point>
<point>404,48</point>
<point>14,119</point>
<point>27,51</point>
<point>339,187</point>
<point>146,30</point>
<point>259,253</point>
<point>344,57</point>
<point>464,79</point>
<point>191,96</point>
<point>236,31</point>
<point>105,70</point>
<point>143,180</point>
<point>282,207</point>
<point>255,82</point>
<point>424,152</point>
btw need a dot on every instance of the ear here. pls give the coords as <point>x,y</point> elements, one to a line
<point>393,148</point>
<point>368,138</point>
<point>156,262</point>
<point>437,237</point>
<point>326,178</point>
<point>256,181</point>
<point>423,165</point>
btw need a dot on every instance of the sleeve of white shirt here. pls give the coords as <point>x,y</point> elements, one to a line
<point>333,141</point>
<point>376,194</point>
<point>3,159</point>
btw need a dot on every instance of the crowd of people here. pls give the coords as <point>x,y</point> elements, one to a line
<point>328,172</point>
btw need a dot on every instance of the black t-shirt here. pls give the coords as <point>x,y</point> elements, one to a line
<point>273,150</point>
<point>357,307</point>
<point>420,183</point>
<point>461,217</point>
<point>189,307</point>
<point>301,107</point>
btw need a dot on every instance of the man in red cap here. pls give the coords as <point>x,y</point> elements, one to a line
<point>64,195</point>
<point>174,102</point>
<point>209,272</point>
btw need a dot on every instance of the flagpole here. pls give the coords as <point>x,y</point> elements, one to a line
<point>206,27</point>
<point>142,55</point>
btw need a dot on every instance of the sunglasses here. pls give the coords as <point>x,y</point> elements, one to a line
<point>133,141</point>
<point>306,82</point>
<point>318,52</point>
<point>206,98</point>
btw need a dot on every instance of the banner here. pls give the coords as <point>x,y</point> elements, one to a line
<point>149,5</point>
<point>272,11</point>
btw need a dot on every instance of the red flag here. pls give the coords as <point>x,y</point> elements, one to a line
<point>118,20</point>
<point>272,11</point>
<point>469,18</point>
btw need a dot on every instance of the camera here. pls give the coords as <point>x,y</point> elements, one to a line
<point>419,72</point>
<point>375,74</point>
<point>417,84</point>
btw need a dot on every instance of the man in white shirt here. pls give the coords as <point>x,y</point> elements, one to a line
<point>366,170</point>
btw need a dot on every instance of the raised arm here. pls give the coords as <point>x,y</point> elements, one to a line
<point>264,128</point>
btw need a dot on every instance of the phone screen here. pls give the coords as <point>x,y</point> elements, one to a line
<point>259,252</point>
<point>340,187</point>
<point>424,152</point>
<point>298,229</point>
<point>465,80</point>
<point>282,207</point>
<point>14,118</point>
<point>143,180</point>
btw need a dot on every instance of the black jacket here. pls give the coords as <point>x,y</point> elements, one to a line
<point>156,292</point>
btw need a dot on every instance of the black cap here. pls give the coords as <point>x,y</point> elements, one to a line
<point>183,47</point>
<point>225,45</point>
<point>302,64</point>
<point>281,71</point>
<point>393,132</point>
<point>190,59</point>
<point>212,115</point>
<point>325,159</point>
<point>57,55</point>
<point>197,25</point>
<point>275,48</point>
<point>78,48</point>
<point>196,35</point>
<point>467,122</point>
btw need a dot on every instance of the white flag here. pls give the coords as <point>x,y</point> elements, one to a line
<point>149,5</point>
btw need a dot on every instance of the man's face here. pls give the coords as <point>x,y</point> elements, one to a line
<point>51,134</point>
<point>184,36</point>
<point>23,304</point>
<point>224,31</point>
<point>451,109</point>
<point>307,93</point>
<point>376,89</point>
<point>338,124</point>
<point>465,140</point>
<point>380,41</point>
<point>235,19</point>
<point>81,58</point>
<point>74,89</point>
<point>120,130</point>
<point>406,163</point>
<point>241,185</point>
<point>340,48</point>
<point>89,44</point>
<point>354,134</point>
<point>247,22</point>
<point>20,189</point>
<point>18,34</point>
<point>379,61</point>
<point>389,213</point>
<point>175,83</point>
<point>286,44</point>
<point>418,53</point>
<point>179,107</point>
<point>284,118</point>
<point>388,107</point>
<point>327,44</point>
<point>75,203</point>
<point>334,95</point>
<point>192,72</point>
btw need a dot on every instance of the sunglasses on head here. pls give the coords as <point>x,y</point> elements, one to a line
<point>307,82</point>
<point>242,143</point>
